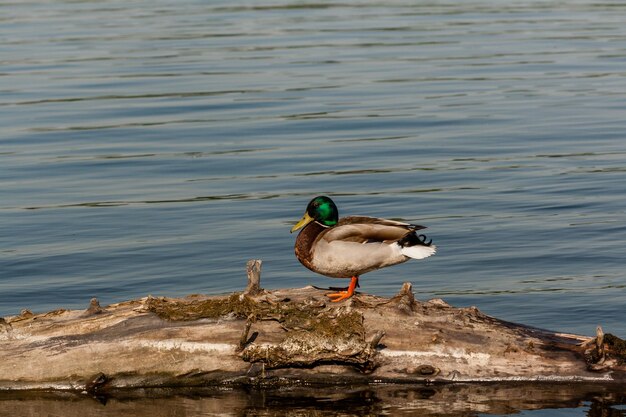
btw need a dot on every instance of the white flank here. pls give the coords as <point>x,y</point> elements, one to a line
<point>419,251</point>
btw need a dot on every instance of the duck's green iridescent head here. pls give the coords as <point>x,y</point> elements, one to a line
<point>322,210</point>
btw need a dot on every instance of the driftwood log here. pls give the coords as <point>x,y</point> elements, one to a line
<point>286,337</point>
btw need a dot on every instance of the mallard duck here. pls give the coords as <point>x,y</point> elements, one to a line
<point>351,246</point>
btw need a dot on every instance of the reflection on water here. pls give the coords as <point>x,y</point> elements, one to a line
<point>448,400</point>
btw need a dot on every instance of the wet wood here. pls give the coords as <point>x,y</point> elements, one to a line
<point>289,336</point>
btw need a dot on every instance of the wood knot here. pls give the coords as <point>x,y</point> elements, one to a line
<point>423,370</point>
<point>96,383</point>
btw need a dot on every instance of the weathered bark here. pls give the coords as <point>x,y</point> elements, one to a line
<point>269,338</point>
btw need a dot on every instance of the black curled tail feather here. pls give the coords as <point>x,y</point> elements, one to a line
<point>413,239</point>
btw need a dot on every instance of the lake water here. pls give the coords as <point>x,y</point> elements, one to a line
<point>153,147</point>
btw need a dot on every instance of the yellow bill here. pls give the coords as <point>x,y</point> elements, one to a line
<point>306,219</point>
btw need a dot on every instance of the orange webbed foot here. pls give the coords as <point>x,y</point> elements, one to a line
<point>339,296</point>
<point>344,295</point>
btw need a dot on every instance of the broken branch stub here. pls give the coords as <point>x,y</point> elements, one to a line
<point>94,308</point>
<point>605,351</point>
<point>253,268</point>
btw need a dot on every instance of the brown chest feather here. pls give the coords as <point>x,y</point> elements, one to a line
<point>305,241</point>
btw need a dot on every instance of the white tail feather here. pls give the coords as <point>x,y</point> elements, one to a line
<point>419,251</point>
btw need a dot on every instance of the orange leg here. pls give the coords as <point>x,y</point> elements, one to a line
<point>344,295</point>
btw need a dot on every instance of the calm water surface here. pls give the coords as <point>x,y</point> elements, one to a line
<point>153,147</point>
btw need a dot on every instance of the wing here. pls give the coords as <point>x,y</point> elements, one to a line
<point>369,229</point>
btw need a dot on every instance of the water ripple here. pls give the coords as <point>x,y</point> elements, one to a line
<point>148,140</point>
